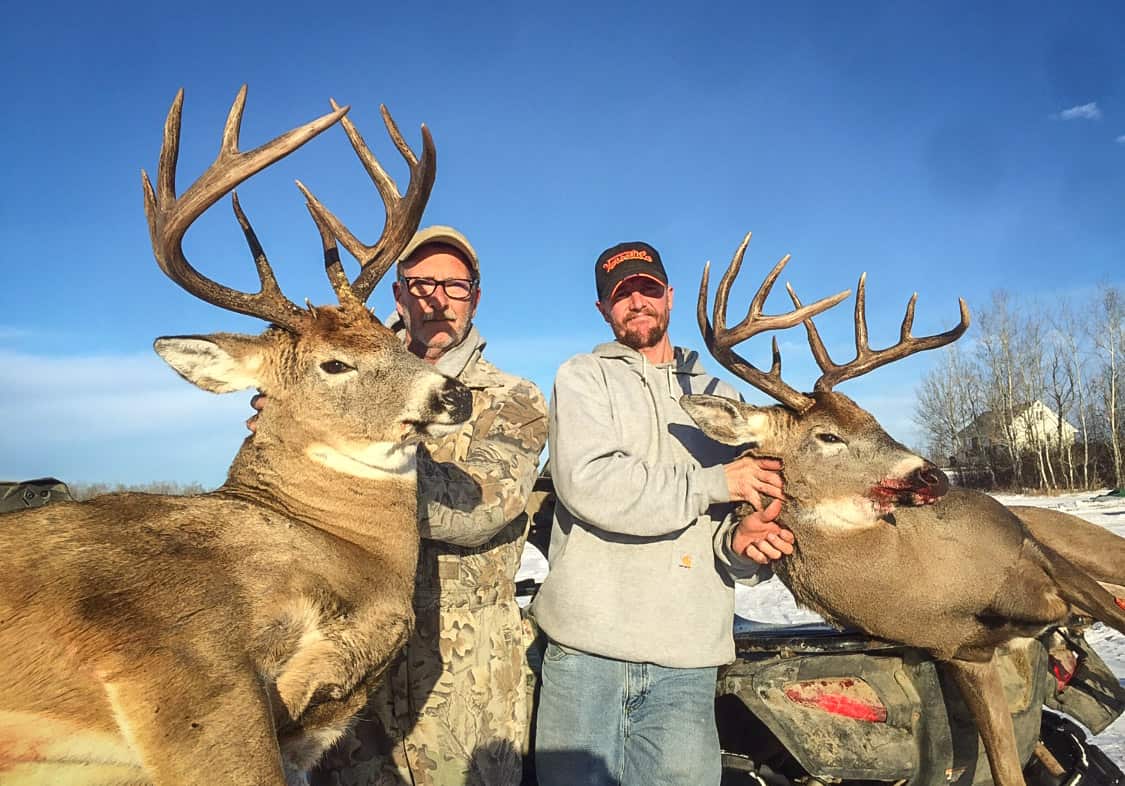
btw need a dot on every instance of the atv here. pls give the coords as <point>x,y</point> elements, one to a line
<point>24,494</point>
<point>813,705</point>
<point>809,704</point>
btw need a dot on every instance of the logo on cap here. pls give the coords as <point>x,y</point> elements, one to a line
<point>638,254</point>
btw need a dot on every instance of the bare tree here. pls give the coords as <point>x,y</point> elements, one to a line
<point>1066,372</point>
<point>1027,347</point>
<point>1071,360</point>
<point>1003,381</point>
<point>1059,392</point>
<point>1109,338</point>
<point>949,399</point>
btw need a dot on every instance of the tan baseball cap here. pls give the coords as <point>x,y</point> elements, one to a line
<point>446,236</point>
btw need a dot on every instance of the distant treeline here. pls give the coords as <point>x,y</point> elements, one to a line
<point>82,491</point>
<point>1034,396</point>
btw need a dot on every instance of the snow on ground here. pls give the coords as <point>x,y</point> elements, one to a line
<point>771,602</point>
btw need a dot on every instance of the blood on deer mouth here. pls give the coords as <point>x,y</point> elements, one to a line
<point>913,490</point>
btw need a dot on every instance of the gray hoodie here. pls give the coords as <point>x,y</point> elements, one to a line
<point>640,569</point>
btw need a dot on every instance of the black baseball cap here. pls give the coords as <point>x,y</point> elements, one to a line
<point>623,261</point>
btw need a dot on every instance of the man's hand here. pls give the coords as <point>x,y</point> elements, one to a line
<point>749,477</point>
<point>258,403</point>
<point>760,539</point>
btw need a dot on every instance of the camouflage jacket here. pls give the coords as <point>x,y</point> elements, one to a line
<point>473,484</point>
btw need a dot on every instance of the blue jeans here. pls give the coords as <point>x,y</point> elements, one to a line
<point>605,722</point>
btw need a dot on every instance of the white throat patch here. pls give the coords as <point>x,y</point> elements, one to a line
<point>371,460</point>
<point>847,513</point>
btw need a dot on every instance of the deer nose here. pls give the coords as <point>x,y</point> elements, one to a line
<point>929,478</point>
<point>454,399</point>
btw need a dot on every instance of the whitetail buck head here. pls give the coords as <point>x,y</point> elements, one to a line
<point>343,389</point>
<point>836,456</point>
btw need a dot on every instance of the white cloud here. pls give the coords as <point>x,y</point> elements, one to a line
<point>1120,140</point>
<point>1088,111</point>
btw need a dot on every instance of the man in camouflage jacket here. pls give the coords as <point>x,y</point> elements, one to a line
<point>453,708</point>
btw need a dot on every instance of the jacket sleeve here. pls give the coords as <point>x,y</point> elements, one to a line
<point>467,502</point>
<point>743,570</point>
<point>598,480</point>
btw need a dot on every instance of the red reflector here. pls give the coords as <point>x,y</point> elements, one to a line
<point>848,698</point>
<point>1063,668</point>
<point>1120,602</point>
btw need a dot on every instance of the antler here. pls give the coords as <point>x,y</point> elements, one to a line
<point>867,359</point>
<point>720,340</point>
<point>169,217</point>
<point>403,212</point>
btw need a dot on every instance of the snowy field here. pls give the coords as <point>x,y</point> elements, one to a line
<point>771,602</point>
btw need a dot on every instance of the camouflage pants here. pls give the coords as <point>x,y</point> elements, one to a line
<point>453,709</point>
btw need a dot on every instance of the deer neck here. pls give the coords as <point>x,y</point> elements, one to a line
<point>341,496</point>
<point>842,548</point>
<point>816,516</point>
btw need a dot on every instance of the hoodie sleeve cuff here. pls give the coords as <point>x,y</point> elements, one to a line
<point>713,481</point>
<point>743,570</point>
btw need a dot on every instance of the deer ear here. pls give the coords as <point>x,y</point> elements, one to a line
<point>725,420</point>
<point>220,362</point>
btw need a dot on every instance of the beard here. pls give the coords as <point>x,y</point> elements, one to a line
<point>638,337</point>
<point>435,332</point>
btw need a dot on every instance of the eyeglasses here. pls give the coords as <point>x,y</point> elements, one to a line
<point>454,288</point>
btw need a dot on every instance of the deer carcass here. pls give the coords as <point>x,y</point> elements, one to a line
<point>882,543</point>
<point>230,637</point>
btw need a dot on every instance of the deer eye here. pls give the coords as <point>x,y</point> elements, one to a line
<point>831,439</point>
<point>335,367</point>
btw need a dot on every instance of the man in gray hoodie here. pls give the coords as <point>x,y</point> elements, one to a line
<point>638,604</point>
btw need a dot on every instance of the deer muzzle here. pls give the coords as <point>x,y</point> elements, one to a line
<point>452,402</point>
<point>924,486</point>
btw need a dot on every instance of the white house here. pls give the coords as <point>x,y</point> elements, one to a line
<point>1032,425</point>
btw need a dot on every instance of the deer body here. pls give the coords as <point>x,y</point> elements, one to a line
<point>165,626</point>
<point>881,542</point>
<point>857,579</point>
<point>225,582</point>
<point>231,637</point>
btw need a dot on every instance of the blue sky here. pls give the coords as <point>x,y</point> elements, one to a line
<point>951,150</point>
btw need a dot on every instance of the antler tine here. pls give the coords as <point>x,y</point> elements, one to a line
<point>867,359</point>
<point>332,265</point>
<point>719,340</point>
<point>820,353</point>
<point>265,272</point>
<point>755,322</point>
<point>769,383</point>
<point>719,314</point>
<point>403,211</point>
<point>170,217</point>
